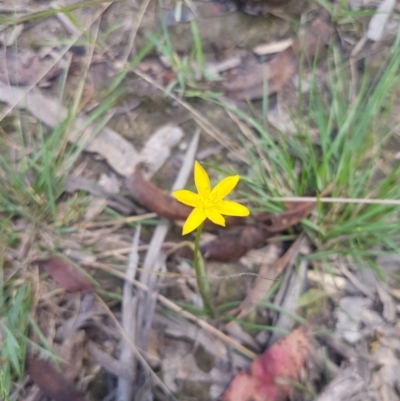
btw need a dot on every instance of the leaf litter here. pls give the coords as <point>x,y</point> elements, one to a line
<point>269,377</point>
<point>374,350</point>
<point>50,381</point>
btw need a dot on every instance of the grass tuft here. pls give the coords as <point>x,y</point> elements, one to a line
<point>345,155</point>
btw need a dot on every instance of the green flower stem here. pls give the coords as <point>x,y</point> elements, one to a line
<point>201,277</point>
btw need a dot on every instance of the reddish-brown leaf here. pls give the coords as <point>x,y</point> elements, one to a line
<point>155,200</point>
<point>269,377</point>
<point>64,275</point>
<point>50,381</point>
<point>230,248</point>
<point>275,223</point>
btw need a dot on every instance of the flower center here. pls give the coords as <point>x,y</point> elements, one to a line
<point>207,203</point>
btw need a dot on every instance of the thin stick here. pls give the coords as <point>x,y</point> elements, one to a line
<point>125,386</point>
<point>395,202</point>
<point>123,220</point>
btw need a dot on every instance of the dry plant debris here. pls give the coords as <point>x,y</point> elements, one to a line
<point>50,381</point>
<point>252,81</point>
<point>65,275</point>
<point>269,377</point>
<point>360,315</point>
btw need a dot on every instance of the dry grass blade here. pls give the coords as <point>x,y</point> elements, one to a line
<point>132,34</point>
<point>125,386</point>
<point>361,201</point>
<point>154,259</point>
<point>289,302</point>
<point>106,361</point>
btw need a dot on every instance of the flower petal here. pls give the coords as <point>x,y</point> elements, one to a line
<point>201,180</point>
<point>215,216</point>
<point>196,217</point>
<point>224,187</point>
<point>187,197</point>
<point>229,208</point>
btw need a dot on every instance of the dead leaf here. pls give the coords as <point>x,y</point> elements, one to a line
<point>230,248</point>
<point>157,149</point>
<point>25,67</point>
<point>115,149</point>
<point>349,315</point>
<point>379,20</point>
<point>50,381</point>
<point>65,275</point>
<point>249,82</point>
<point>275,223</point>
<point>347,384</point>
<point>114,201</point>
<point>155,200</point>
<point>269,377</point>
<point>109,182</point>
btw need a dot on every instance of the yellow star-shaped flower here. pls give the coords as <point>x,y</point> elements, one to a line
<point>208,203</point>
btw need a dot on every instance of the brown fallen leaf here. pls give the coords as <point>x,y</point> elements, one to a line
<point>65,275</point>
<point>230,248</point>
<point>269,377</point>
<point>275,223</point>
<point>155,200</point>
<point>50,381</point>
<point>249,82</point>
